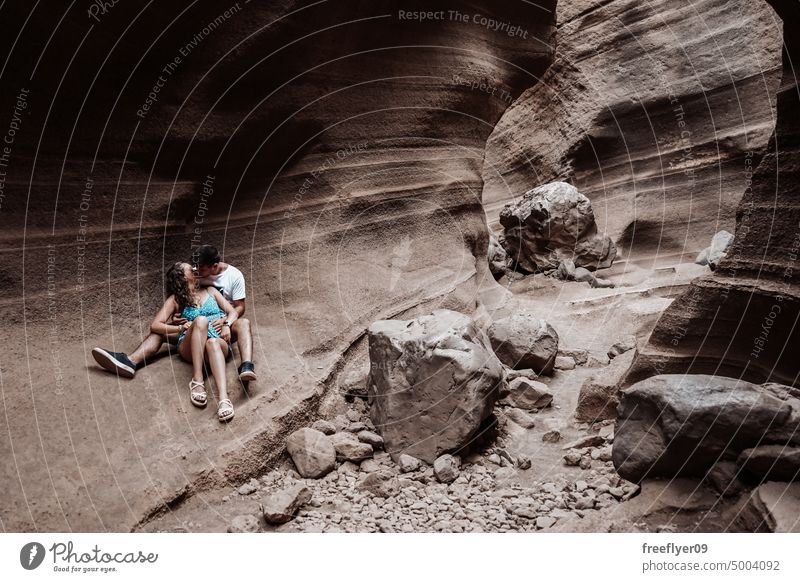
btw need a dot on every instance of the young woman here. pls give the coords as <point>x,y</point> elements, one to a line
<point>197,340</point>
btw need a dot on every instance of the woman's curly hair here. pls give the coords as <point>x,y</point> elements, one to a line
<point>178,286</point>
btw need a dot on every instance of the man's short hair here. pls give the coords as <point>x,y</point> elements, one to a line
<point>207,255</point>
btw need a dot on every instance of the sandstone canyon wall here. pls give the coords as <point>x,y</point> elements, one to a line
<point>658,112</point>
<point>743,320</point>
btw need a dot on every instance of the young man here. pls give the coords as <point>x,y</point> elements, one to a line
<point>212,272</point>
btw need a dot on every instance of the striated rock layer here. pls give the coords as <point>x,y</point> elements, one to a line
<point>658,112</point>
<point>331,150</point>
<point>743,320</point>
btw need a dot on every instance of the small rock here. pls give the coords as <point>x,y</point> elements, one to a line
<point>523,462</point>
<point>324,426</point>
<point>599,283</point>
<point>597,361</point>
<point>526,511</point>
<point>602,454</point>
<point>371,438</point>
<point>512,374</point>
<point>370,466</point>
<point>379,483</point>
<point>349,448</point>
<point>622,346</point>
<point>544,522</point>
<point>446,468</point>
<point>281,507</point>
<point>607,432</point>
<point>566,270</point>
<point>564,363</point>
<point>572,458</point>
<point>585,463</point>
<point>247,489</point>
<point>552,436</point>
<point>529,394</point>
<point>408,463</point>
<point>592,440</point>
<point>580,486</point>
<point>244,524</point>
<point>352,415</point>
<point>495,458</point>
<point>521,418</point>
<point>580,356</point>
<point>617,492</point>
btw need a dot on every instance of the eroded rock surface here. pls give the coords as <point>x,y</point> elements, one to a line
<point>646,131</point>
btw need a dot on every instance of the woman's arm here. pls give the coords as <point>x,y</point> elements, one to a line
<point>230,313</point>
<point>159,324</point>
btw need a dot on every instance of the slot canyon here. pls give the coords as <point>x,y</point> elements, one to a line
<point>407,191</point>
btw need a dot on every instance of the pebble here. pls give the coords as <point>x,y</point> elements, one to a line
<point>371,438</point>
<point>247,489</point>
<point>324,426</point>
<point>408,463</point>
<point>552,436</point>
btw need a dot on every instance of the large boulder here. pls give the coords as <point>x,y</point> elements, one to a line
<point>433,381</point>
<point>523,341</point>
<point>552,223</point>
<point>312,452</point>
<point>682,425</point>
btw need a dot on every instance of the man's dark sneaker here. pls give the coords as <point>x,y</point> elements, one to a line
<point>247,372</point>
<point>115,362</point>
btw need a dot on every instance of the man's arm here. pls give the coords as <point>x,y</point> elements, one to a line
<point>238,305</point>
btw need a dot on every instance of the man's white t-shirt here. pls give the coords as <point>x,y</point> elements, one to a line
<point>229,282</point>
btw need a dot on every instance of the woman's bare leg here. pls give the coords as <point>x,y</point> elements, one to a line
<point>194,344</point>
<point>217,351</point>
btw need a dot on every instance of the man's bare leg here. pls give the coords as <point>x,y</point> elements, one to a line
<point>124,365</point>
<point>244,337</point>
<point>147,349</point>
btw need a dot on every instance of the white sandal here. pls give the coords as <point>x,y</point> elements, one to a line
<point>197,393</point>
<point>225,410</point>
